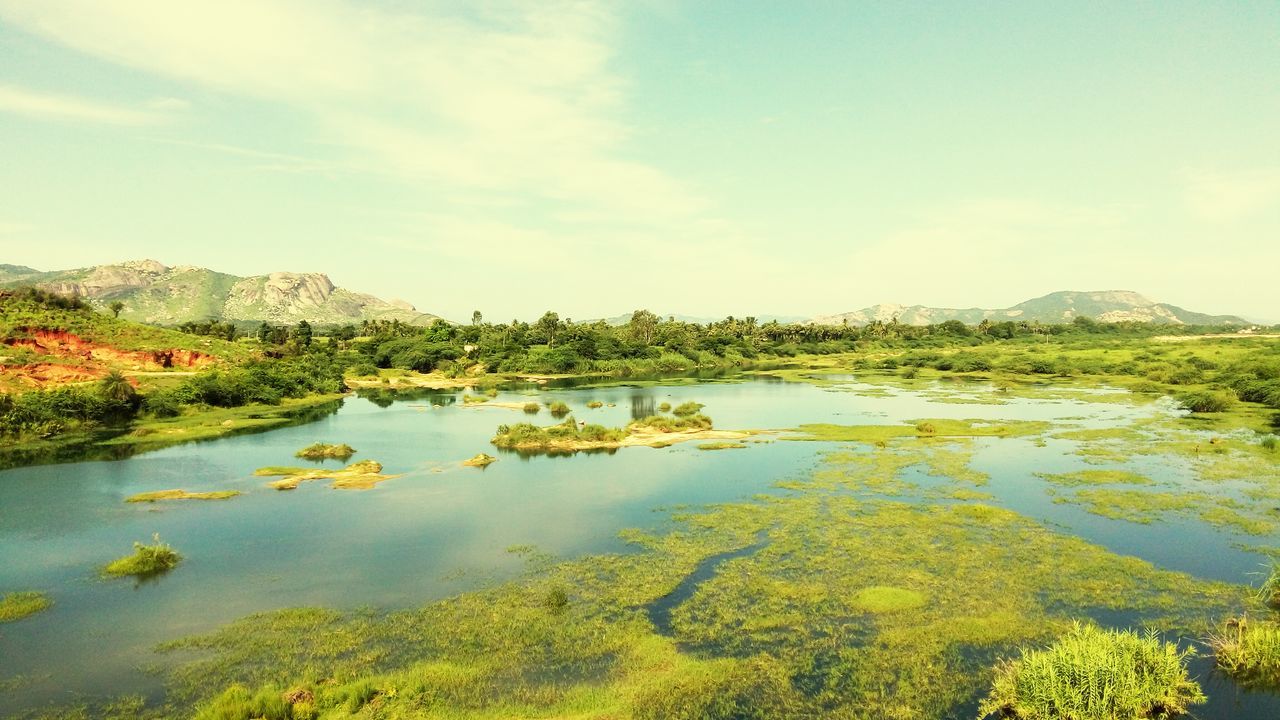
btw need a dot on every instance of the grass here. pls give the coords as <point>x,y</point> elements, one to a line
<point>725,445</point>
<point>146,561</point>
<point>883,599</point>
<point>213,423</point>
<point>322,451</point>
<point>18,605</point>
<point>558,409</point>
<point>687,409</point>
<point>1249,651</point>
<point>1144,507</point>
<point>362,475</point>
<point>1093,674</point>
<point>567,435</point>
<point>531,408</point>
<point>595,404</point>
<point>181,495</point>
<point>474,399</point>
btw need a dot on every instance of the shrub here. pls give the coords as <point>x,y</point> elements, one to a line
<point>532,408</point>
<point>1094,674</point>
<point>558,409</point>
<point>1205,401</point>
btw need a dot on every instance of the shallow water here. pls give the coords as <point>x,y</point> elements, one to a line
<point>441,528</point>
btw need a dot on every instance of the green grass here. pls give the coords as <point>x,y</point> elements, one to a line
<point>1093,674</point>
<point>558,409</point>
<point>17,605</point>
<point>884,599</point>
<point>480,460</point>
<point>156,495</point>
<point>687,409</point>
<point>322,451</point>
<point>1250,652</point>
<point>146,560</point>
<point>531,408</point>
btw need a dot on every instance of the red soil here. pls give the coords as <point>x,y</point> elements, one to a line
<point>93,360</point>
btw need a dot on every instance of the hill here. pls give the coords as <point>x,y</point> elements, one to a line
<point>155,293</point>
<point>49,340</point>
<point>1057,307</point>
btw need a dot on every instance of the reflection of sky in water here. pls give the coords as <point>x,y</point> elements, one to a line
<point>441,528</point>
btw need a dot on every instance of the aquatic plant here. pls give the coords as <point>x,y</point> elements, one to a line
<point>662,423</point>
<point>558,409</point>
<point>721,446</point>
<point>322,451</point>
<point>181,495</point>
<point>1249,651</point>
<point>17,605</point>
<point>1095,674</point>
<point>146,560</point>
<point>687,409</point>
<point>356,476</point>
<point>594,404</point>
<point>474,399</point>
<point>531,408</point>
<point>664,407</point>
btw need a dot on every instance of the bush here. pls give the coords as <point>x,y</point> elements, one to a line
<point>1093,674</point>
<point>558,409</point>
<point>1205,401</point>
<point>532,408</point>
<point>1250,652</point>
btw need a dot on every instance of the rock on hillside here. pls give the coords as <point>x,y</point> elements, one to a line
<point>155,293</point>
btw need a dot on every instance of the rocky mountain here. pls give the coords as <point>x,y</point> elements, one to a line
<point>1058,307</point>
<point>155,293</point>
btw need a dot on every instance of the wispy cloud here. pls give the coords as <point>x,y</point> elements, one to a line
<point>491,97</point>
<point>69,108</point>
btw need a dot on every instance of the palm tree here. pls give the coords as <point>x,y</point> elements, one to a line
<point>116,387</point>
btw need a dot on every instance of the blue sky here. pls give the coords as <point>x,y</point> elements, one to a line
<point>705,157</point>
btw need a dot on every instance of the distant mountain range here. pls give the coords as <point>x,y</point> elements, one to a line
<point>1058,307</point>
<point>155,293</point>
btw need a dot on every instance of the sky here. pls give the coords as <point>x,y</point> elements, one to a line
<point>710,157</point>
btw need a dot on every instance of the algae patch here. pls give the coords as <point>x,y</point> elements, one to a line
<point>18,605</point>
<point>176,494</point>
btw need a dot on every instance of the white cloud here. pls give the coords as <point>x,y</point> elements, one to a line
<point>68,108</point>
<point>497,97</point>
<point>1229,196</point>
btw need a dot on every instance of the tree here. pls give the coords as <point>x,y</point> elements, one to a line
<point>547,327</point>
<point>115,388</point>
<point>264,332</point>
<point>302,333</point>
<point>476,317</point>
<point>116,307</point>
<point>643,326</point>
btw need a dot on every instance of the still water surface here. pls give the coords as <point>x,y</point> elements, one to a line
<point>442,528</point>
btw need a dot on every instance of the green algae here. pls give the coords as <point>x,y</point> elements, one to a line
<point>18,605</point>
<point>1144,507</point>
<point>928,428</point>
<point>1095,477</point>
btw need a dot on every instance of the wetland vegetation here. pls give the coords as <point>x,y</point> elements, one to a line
<point>17,605</point>
<point>894,568</point>
<point>146,560</point>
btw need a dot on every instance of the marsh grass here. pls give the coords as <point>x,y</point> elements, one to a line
<point>1094,674</point>
<point>558,409</point>
<point>149,497</point>
<point>687,409</point>
<point>323,451</point>
<point>17,605</point>
<point>146,560</point>
<point>1249,651</point>
<point>937,427</point>
<point>531,408</point>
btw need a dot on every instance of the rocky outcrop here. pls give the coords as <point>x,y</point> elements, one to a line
<point>153,292</point>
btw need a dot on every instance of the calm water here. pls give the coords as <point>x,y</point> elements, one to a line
<point>442,528</point>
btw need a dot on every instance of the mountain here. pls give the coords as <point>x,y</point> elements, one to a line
<point>156,293</point>
<point>1058,307</point>
<point>703,320</point>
